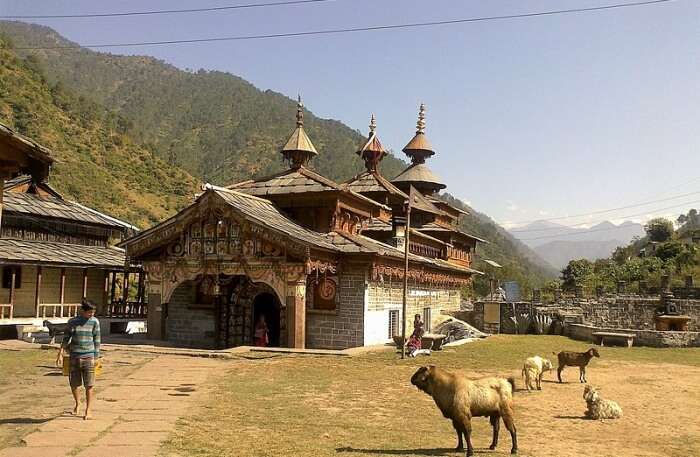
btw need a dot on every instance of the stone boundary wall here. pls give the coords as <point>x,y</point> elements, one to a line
<point>652,338</point>
<point>342,328</point>
<point>634,312</point>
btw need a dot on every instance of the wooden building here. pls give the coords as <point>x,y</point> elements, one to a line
<point>323,261</point>
<point>54,252</point>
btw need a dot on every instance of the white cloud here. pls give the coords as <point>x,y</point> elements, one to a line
<point>511,206</point>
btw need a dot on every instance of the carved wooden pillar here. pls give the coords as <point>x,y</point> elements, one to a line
<point>296,314</point>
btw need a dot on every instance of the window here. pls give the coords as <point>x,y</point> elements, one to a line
<point>393,322</point>
<point>7,277</point>
<point>426,319</point>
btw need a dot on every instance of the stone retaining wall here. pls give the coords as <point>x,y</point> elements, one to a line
<point>652,338</point>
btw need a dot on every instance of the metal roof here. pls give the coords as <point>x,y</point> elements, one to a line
<point>47,252</point>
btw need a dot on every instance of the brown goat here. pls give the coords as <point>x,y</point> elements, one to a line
<point>576,359</point>
<point>460,399</point>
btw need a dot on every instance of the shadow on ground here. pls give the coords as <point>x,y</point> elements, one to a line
<point>24,420</point>
<point>403,452</point>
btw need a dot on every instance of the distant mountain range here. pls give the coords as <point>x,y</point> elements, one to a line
<point>558,244</point>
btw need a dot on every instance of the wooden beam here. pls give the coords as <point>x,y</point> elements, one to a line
<point>113,287</point>
<point>37,293</point>
<point>12,290</point>
<point>85,282</point>
<point>105,289</point>
<point>62,290</point>
<point>125,286</point>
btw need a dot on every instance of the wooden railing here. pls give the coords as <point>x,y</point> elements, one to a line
<point>6,311</point>
<point>57,310</point>
<point>126,309</point>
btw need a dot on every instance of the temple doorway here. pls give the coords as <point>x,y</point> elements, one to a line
<point>267,304</point>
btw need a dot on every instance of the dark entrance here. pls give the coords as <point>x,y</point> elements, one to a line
<point>267,304</point>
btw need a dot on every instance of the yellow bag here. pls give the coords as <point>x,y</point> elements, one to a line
<point>66,365</point>
<point>98,367</point>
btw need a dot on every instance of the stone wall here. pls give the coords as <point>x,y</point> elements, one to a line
<point>650,338</point>
<point>189,325</point>
<point>383,297</point>
<point>634,312</point>
<point>342,328</point>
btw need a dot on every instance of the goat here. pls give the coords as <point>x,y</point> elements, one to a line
<point>599,408</point>
<point>460,399</point>
<point>534,368</point>
<point>576,359</point>
<point>55,329</point>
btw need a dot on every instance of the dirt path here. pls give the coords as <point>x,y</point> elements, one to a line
<point>132,415</point>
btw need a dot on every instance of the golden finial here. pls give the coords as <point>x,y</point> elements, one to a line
<point>300,112</point>
<point>420,125</point>
<point>372,124</point>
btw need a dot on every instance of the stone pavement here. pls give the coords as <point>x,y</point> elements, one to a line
<point>130,417</point>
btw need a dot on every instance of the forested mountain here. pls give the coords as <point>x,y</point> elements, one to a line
<point>96,163</point>
<point>215,125</point>
<point>169,126</point>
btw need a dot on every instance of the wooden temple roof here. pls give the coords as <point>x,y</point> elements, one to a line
<point>296,181</point>
<point>264,213</point>
<point>48,206</point>
<point>368,181</point>
<point>23,154</point>
<point>35,252</point>
<point>417,174</point>
<point>435,228</point>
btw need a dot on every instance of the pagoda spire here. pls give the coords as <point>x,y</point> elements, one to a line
<point>372,152</point>
<point>419,148</point>
<point>299,149</point>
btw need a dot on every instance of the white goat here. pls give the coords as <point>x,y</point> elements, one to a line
<point>599,408</point>
<point>534,368</point>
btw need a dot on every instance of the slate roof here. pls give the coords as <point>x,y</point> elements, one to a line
<point>373,182</point>
<point>362,244</point>
<point>34,149</point>
<point>52,207</point>
<point>295,181</point>
<point>47,252</point>
<point>433,227</point>
<point>265,213</point>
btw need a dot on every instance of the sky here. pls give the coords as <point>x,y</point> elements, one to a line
<point>531,118</point>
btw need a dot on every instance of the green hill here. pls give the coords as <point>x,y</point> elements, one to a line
<point>213,125</point>
<point>96,163</point>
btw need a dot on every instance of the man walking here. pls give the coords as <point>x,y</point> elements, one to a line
<point>83,342</point>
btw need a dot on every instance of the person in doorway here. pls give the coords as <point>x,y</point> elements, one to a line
<point>261,332</point>
<point>82,342</point>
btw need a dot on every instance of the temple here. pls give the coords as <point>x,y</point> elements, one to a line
<point>322,261</point>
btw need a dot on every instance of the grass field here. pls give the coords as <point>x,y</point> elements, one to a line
<point>365,405</point>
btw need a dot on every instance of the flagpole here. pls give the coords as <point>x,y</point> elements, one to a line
<point>405,273</point>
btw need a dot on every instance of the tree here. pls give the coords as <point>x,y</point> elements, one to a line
<point>669,250</point>
<point>659,229</point>
<point>577,272</point>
